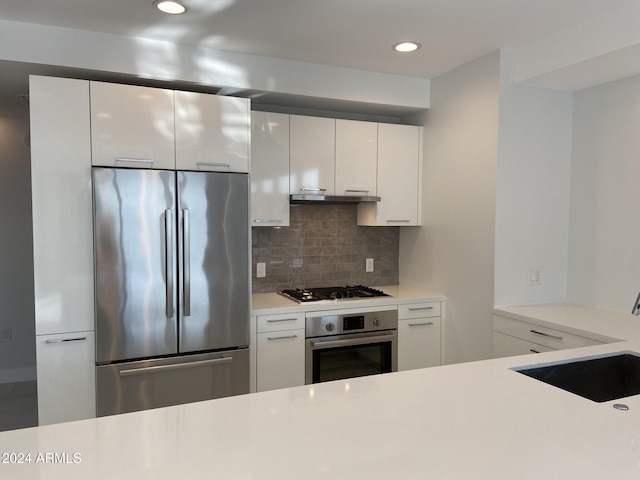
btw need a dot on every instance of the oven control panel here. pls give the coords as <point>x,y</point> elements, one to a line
<point>362,322</point>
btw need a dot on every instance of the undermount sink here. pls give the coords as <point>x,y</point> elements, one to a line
<point>598,379</point>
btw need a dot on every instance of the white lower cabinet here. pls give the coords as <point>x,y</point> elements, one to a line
<point>66,377</point>
<point>517,337</point>
<point>419,332</point>
<point>507,346</point>
<point>280,351</point>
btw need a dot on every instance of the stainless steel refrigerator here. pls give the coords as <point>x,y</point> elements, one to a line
<point>172,286</point>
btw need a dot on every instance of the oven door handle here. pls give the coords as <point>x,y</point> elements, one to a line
<point>320,344</point>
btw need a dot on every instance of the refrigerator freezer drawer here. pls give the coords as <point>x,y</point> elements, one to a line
<point>133,386</point>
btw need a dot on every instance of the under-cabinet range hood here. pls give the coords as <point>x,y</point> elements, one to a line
<point>321,197</point>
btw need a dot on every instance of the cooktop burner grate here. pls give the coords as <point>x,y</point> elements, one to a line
<point>346,292</point>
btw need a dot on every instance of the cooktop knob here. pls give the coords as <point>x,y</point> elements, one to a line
<point>375,321</point>
<point>329,327</point>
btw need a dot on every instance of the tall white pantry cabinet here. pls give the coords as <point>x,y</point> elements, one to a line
<point>62,248</point>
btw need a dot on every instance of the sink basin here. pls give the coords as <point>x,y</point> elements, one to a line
<point>598,379</point>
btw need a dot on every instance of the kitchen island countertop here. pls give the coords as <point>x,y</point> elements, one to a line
<point>478,420</point>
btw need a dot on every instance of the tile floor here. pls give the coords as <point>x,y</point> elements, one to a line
<point>18,405</point>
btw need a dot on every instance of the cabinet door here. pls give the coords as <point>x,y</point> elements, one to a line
<point>132,126</point>
<point>212,132</point>
<point>399,178</point>
<point>507,346</point>
<point>61,204</point>
<point>418,343</point>
<point>66,377</point>
<point>280,359</point>
<point>269,169</point>
<point>356,158</point>
<point>312,155</point>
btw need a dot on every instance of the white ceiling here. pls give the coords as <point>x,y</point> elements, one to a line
<point>347,33</point>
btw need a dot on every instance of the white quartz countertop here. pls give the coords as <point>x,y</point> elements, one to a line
<point>478,420</point>
<point>274,303</point>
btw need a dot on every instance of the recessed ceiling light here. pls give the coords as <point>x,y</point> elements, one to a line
<point>169,6</point>
<point>406,47</point>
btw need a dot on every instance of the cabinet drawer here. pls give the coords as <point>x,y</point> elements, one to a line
<point>549,337</point>
<point>419,310</point>
<point>279,322</point>
<point>507,346</point>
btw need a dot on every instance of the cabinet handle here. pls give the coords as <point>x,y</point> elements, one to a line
<point>275,320</point>
<point>545,334</point>
<point>306,189</point>
<point>213,164</point>
<point>398,221</point>
<point>419,324</point>
<point>64,340</point>
<point>177,366</point>
<point>134,160</point>
<point>356,191</point>
<point>534,351</point>
<point>322,344</point>
<point>283,337</point>
<point>267,220</point>
<point>412,309</point>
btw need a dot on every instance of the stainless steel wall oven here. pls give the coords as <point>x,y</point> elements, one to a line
<point>350,343</point>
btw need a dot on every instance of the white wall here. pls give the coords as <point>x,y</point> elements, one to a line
<point>17,358</point>
<point>453,252</point>
<point>604,235</point>
<point>532,191</point>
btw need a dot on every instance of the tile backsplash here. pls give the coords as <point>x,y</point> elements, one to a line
<point>324,246</point>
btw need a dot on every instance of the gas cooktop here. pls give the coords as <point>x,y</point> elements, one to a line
<point>332,293</point>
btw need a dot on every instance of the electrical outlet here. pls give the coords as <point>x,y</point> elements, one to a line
<point>535,277</point>
<point>261,270</point>
<point>369,265</point>
<point>5,335</point>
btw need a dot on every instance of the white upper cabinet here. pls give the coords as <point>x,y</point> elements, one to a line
<point>61,205</point>
<point>399,178</point>
<point>269,169</point>
<point>132,126</point>
<point>356,158</point>
<point>312,155</point>
<point>212,132</point>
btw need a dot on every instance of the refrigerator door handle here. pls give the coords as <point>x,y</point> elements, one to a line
<point>186,261</point>
<point>168,222</point>
<point>176,366</point>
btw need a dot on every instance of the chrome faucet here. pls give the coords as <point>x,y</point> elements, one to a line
<point>636,306</point>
